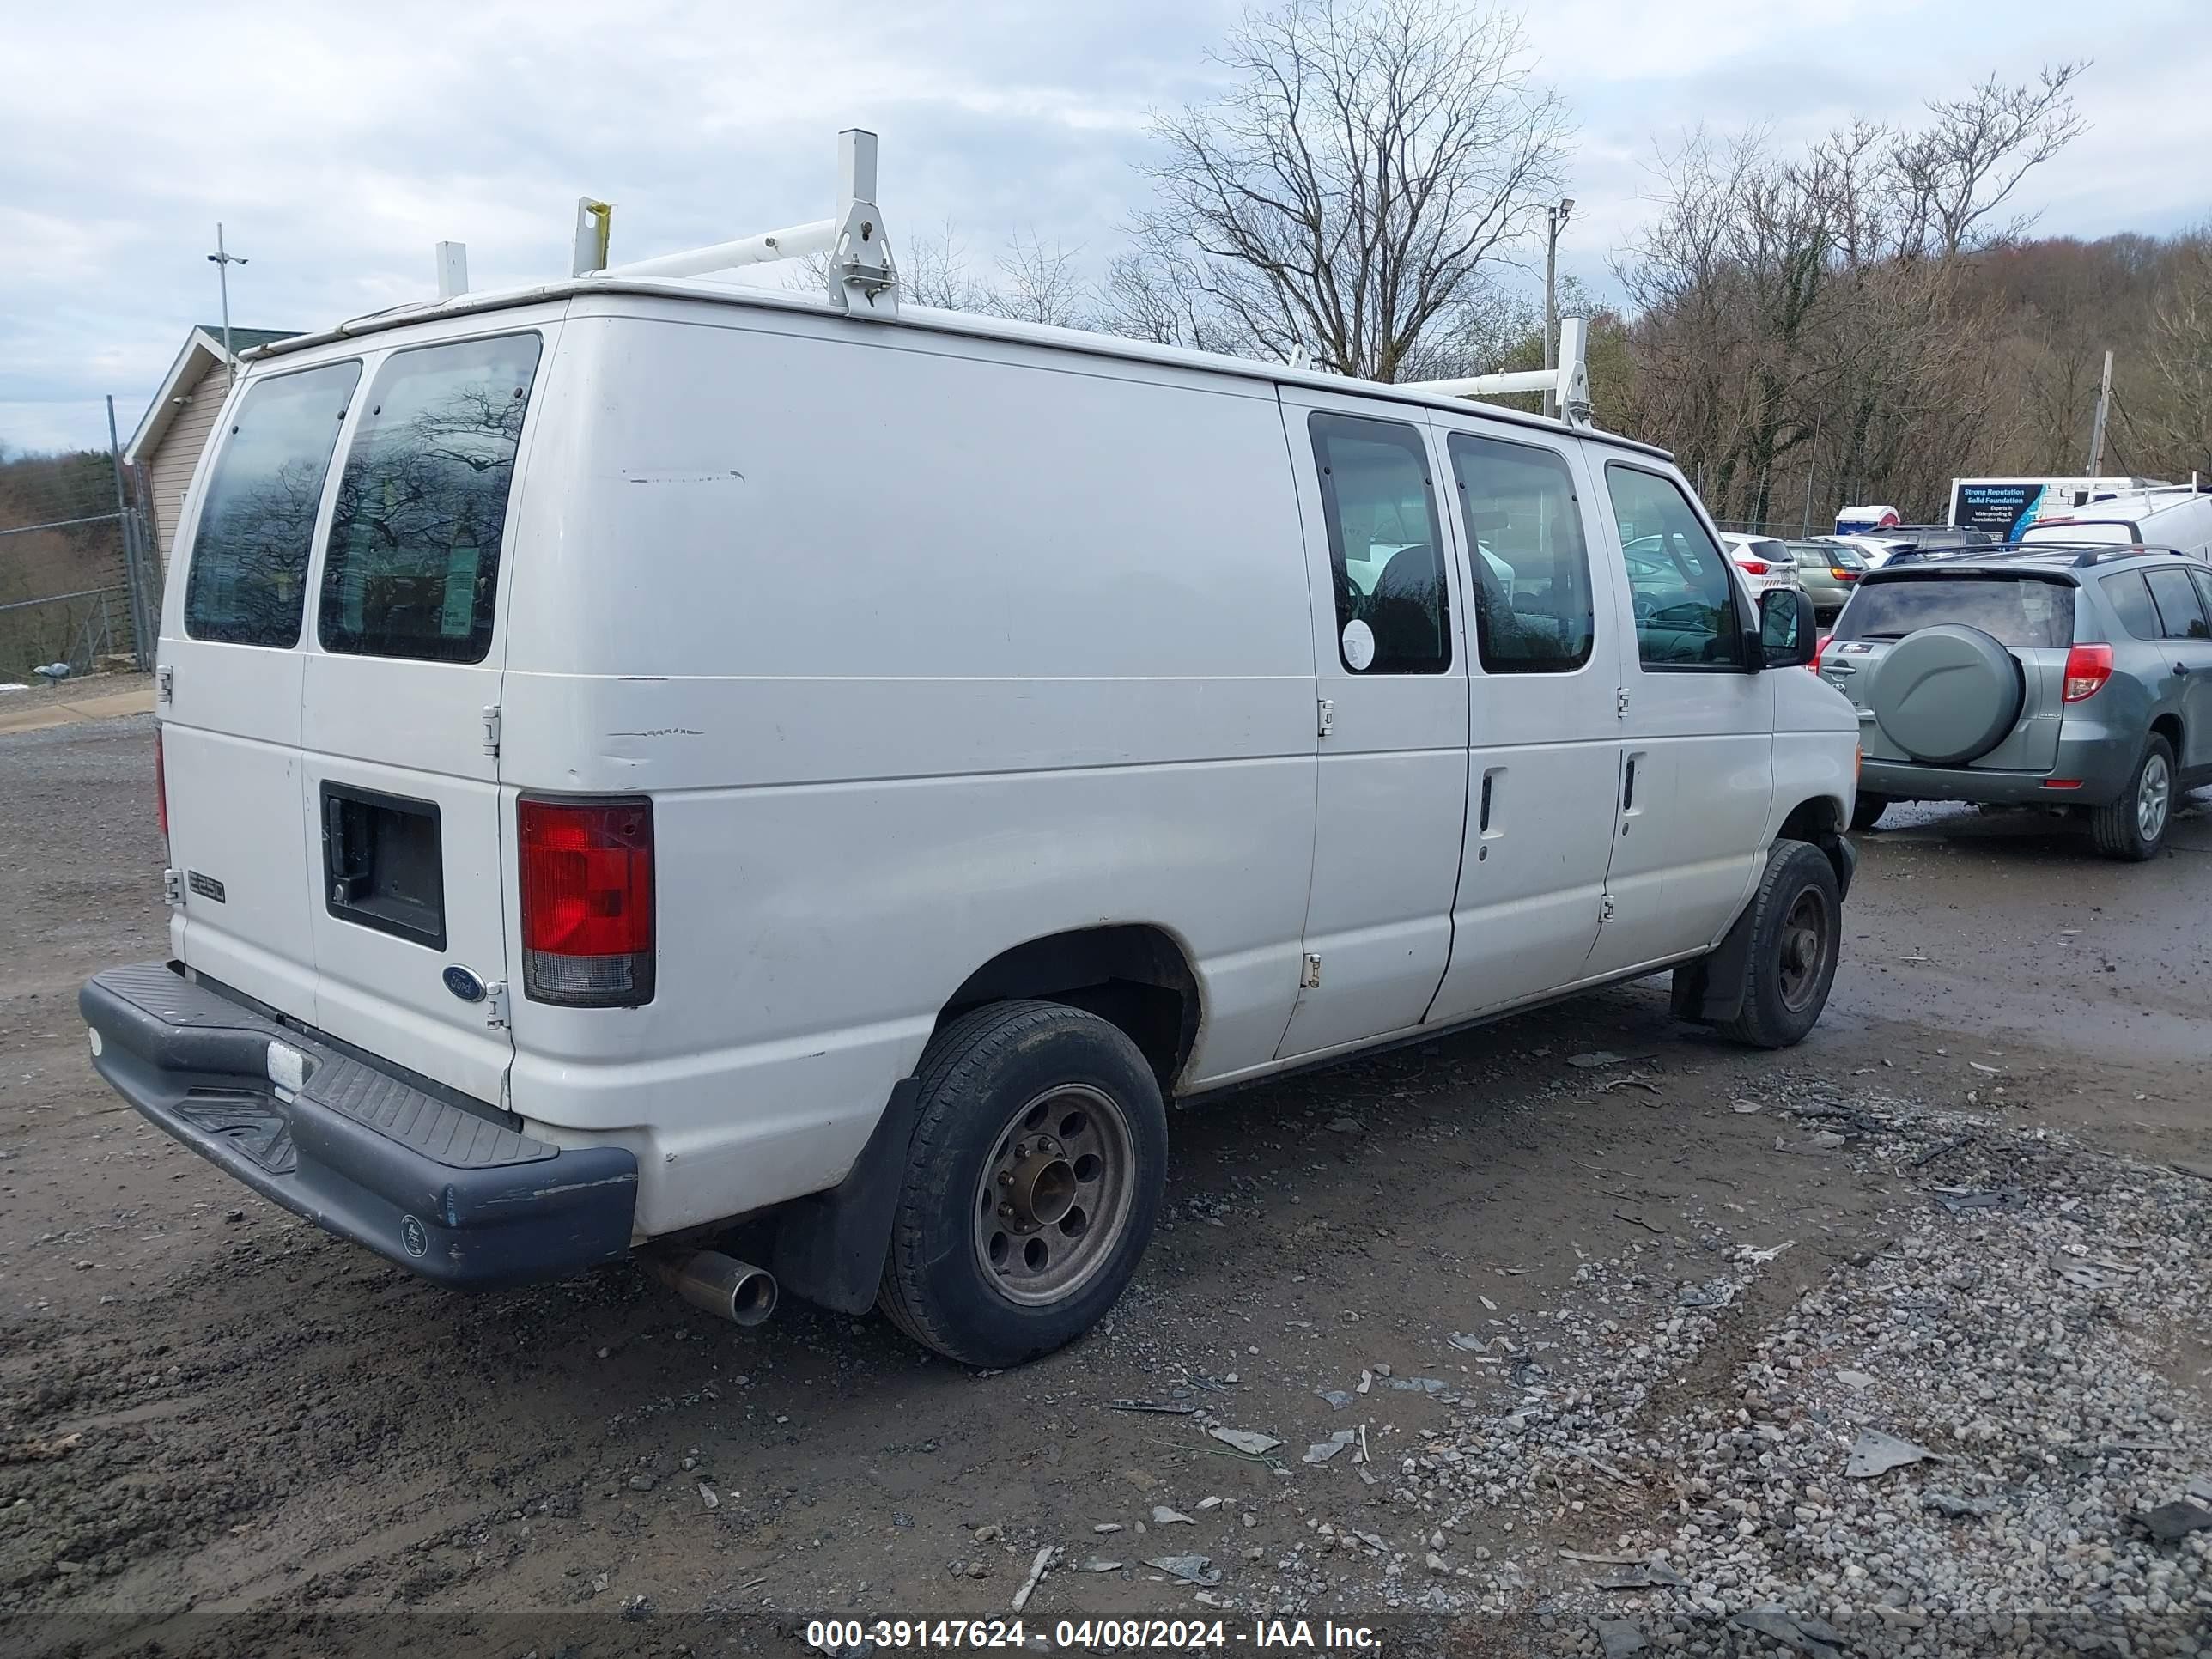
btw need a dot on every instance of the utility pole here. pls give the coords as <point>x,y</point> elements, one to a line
<point>222,259</point>
<point>2097,431</point>
<point>1557,216</point>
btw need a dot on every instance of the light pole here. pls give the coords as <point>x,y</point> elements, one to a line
<point>1558,215</point>
<point>222,260</point>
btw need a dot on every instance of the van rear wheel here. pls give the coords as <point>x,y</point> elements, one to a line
<point>1033,1181</point>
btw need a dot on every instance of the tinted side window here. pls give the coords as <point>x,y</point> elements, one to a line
<point>2130,600</point>
<point>1686,615</point>
<point>1529,561</point>
<point>1392,613</point>
<point>413,566</point>
<point>2177,604</point>
<point>249,575</point>
<point>2204,581</point>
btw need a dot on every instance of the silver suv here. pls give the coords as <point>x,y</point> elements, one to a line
<point>2072,678</point>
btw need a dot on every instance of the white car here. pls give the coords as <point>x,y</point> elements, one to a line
<point>640,753</point>
<point>1767,562</point>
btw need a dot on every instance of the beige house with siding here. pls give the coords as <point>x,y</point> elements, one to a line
<point>177,425</point>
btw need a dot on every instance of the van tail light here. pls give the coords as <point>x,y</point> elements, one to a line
<point>586,901</point>
<point>161,789</point>
<point>1754,566</point>
<point>2088,668</point>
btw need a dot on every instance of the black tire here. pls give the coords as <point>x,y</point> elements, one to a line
<point>983,1077</point>
<point>2120,828</point>
<point>1866,811</point>
<point>1786,980</point>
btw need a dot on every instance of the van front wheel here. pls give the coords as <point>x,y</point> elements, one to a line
<point>1796,932</point>
<point>1035,1176</point>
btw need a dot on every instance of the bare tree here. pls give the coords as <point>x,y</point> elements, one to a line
<point>1965,165</point>
<point>1370,162</point>
<point>1154,293</point>
<point>1041,284</point>
<point>1818,312</point>
<point>2181,356</point>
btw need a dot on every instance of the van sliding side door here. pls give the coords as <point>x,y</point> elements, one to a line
<point>1391,664</point>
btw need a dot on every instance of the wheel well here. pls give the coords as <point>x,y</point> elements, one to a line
<point>1132,976</point>
<point>1820,822</point>
<point>2168,725</point>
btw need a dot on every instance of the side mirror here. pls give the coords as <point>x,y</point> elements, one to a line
<point>1788,633</point>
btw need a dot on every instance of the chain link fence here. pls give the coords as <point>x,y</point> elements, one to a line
<point>79,584</point>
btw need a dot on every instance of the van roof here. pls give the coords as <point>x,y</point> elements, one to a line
<point>949,322</point>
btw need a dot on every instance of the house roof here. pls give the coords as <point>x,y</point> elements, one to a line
<point>203,350</point>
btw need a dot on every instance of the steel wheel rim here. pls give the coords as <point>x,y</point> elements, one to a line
<point>2153,797</point>
<point>1056,1194</point>
<point>1804,946</point>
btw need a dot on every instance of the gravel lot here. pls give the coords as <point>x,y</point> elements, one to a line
<point>1561,1358</point>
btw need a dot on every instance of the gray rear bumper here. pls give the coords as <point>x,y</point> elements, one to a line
<point>364,1154</point>
<point>2104,763</point>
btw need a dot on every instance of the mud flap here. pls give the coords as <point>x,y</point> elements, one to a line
<point>829,1247</point>
<point>1710,991</point>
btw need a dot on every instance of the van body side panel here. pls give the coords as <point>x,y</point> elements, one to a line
<point>923,648</point>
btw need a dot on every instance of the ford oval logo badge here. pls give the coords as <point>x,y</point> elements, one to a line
<point>463,984</point>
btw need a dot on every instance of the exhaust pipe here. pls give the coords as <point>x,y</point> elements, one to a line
<point>720,1284</point>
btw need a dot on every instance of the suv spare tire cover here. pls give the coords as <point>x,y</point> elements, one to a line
<point>1947,695</point>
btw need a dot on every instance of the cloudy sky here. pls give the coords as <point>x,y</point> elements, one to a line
<point>337,145</point>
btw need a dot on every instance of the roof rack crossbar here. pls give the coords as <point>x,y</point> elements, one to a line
<point>1570,381</point>
<point>863,277</point>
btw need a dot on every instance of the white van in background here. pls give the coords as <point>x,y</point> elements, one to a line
<point>645,755</point>
<point>2005,508</point>
<point>2178,516</point>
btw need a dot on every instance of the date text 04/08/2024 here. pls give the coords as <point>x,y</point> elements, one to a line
<point>836,1635</point>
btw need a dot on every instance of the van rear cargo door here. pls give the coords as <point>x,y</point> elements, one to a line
<point>231,662</point>
<point>399,733</point>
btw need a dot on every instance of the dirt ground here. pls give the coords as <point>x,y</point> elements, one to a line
<point>209,1409</point>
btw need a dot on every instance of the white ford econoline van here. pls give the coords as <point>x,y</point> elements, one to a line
<point>645,755</point>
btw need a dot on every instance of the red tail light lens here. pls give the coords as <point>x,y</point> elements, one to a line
<point>586,901</point>
<point>1820,650</point>
<point>161,789</point>
<point>1842,574</point>
<point>1754,566</point>
<point>2088,668</point>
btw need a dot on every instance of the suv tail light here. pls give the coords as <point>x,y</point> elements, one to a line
<point>586,901</point>
<point>1754,566</point>
<point>2088,668</point>
<point>1820,650</point>
<point>161,789</point>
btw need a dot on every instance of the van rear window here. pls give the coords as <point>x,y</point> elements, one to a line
<point>413,565</point>
<point>249,573</point>
<point>2019,612</point>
